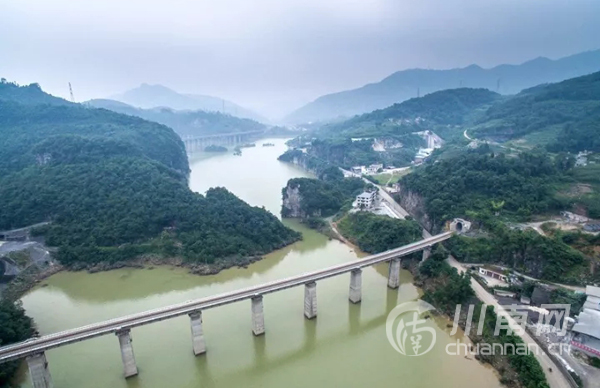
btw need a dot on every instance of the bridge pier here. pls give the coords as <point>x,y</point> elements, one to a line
<point>355,285</point>
<point>310,300</point>
<point>199,345</point>
<point>129,366</point>
<point>258,316</point>
<point>426,254</point>
<point>394,274</point>
<point>38,370</point>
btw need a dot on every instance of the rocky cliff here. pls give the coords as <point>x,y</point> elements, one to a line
<point>304,161</point>
<point>414,204</point>
<point>291,207</point>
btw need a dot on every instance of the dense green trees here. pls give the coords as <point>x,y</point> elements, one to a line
<point>320,197</point>
<point>526,251</point>
<point>477,180</point>
<point>447,107</point>
<point>572,106</point>
<point>444,286</point>
<point>344,152</point>
<point>15,327</point>
<point>115,187</point>
<point>373,233</point>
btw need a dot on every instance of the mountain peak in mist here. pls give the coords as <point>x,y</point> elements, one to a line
<point>147,96</point>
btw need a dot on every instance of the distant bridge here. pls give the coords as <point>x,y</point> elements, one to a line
<point>198,143</point>
<point>34,349</point>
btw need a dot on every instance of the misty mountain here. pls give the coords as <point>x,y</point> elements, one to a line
<point>156,96</point>
<point>440,111</point>
<point>402,85</point>
<point>568,112</point>
<point>186,122</point>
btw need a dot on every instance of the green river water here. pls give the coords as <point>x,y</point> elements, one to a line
<point>344,346</point>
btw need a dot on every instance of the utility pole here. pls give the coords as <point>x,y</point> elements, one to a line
<point>71,92</point>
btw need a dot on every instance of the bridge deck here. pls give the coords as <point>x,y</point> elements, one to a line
<point>50,341</point>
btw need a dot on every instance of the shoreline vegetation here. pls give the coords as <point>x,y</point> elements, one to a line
<point>25,282</point>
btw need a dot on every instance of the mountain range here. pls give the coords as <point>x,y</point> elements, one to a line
<point>184,122</point>
<point>402,85</point>
<point>157,96</point>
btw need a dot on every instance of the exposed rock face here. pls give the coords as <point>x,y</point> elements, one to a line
<point>291,207</point>
<point>414,204</point>
<point>302,162</point>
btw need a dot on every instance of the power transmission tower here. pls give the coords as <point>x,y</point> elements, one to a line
<point>71,92</point>
<point>498,86</point>
<point>419,92</point>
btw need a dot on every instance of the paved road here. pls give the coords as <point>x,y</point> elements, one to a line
<point>556,378</point>
<point>41,344</point>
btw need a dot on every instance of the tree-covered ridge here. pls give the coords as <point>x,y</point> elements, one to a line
<point>527,252</point>
<point>114,187</point>
<point>447,107</point>
<point>374,233</point>
<point>33,133</point>
<point>321,197</point>
<point>345,152</point>
<point>482,181</point>
<point>27,94</point>
<point>572,105</point>
<point>195,123</point>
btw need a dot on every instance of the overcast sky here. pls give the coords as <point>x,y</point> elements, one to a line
<point>274,55</point>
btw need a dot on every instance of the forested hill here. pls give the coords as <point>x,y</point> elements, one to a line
<point>570,108</point>
<point>158,96</point>
<point>29,94</point>
<point>402,85</point>
<point>447,107</point>
<point>114,187</point>
<point>185,123</point>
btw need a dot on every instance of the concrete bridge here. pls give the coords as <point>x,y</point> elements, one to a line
<point>34,349</point>
<point>198,143</point>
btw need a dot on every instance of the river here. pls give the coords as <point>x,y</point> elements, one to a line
<point>345,345</point>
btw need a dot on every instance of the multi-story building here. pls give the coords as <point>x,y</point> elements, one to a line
<point>366,199</point>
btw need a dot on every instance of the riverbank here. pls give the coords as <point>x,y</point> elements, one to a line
<point>23,283</point>
<point>28,279</point>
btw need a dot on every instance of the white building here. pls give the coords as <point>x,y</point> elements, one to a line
<point>358,169</point>
<point>374,168</point>
<point>586,332</point>
<point>366,199</point>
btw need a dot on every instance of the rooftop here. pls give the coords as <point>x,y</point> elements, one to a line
<point>365,194</point>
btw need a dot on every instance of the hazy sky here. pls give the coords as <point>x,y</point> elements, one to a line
<point>274,55</point>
